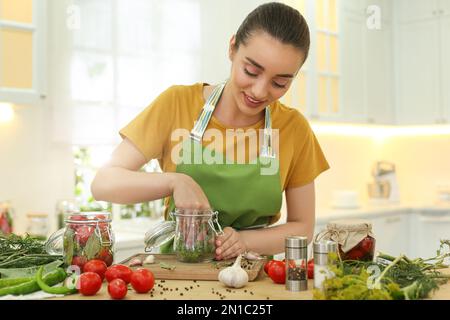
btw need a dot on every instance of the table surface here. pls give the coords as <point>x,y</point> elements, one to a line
<point>261,289</point>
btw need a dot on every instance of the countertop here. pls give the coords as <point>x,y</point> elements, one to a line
<point>261,289</point>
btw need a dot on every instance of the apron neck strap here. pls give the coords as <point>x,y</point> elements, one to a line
<point>205,116</point>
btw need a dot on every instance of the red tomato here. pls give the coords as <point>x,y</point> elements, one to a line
<point>267,265</point>
<point>83,233</point>
<point>97,266</point>
<point>118,271</point>
<point>106,256</point>
<point>277,272</point>
<point>292,263</point>
<point>142,280</point>
<point>79,261</point>
<point>311,269</point>
<point>90,283</point>
<point>117,289</point>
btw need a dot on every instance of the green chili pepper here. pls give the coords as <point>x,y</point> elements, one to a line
<point>12,282</point>
<point>54,290</point>
<point>51,278</point>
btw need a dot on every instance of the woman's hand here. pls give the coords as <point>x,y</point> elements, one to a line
<point>230,244</point>
<point>187,194</point>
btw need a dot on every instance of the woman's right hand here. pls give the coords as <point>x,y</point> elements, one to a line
<point>187,194</point>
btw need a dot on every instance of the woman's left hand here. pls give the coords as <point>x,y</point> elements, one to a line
<point>230,244</point>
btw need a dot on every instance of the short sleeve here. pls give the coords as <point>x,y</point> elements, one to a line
<point>308,161</point>
<point>150,130</point>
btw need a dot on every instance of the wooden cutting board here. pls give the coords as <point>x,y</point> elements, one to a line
<point>193,271</point>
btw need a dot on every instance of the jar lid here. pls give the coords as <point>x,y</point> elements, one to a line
<point>325,246</point>
<point>88,217</point>
<point>296,242</point>
<point>350,225</point>
<point>159,234</point>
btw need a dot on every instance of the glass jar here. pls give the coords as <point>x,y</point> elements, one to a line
<point>65,207</point>
<point>86,236</point>
<point>193,233</point>
<point>6,218</point>
<point>37,225</point>
<point>354,237</point>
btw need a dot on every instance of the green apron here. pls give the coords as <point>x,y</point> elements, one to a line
<point>243,196</point>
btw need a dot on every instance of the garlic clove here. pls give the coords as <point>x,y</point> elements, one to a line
<point>150,259</point>
<point>135,262</point>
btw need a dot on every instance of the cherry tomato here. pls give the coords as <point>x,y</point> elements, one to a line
<point>142,280</point>
<point>277,272</point>
<point>105,255</point>
<point>117,289</point>
<point>311,269</point>
<point>267,265</point>
<point>118,271</point>
<point>83,233</point>
<point>90,283</point>
<point>97,266</point>
<point>75,226</point>
<point>292,263</point>
<point>79,261</point>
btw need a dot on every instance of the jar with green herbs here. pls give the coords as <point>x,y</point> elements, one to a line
<point>86,236</point>
<point>195,234</point>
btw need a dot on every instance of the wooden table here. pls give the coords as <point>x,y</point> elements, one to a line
<point>261,289</point>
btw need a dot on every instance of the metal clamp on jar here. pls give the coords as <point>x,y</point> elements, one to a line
<point>296,263</point>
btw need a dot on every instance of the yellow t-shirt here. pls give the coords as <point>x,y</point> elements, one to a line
<point>178,107</point>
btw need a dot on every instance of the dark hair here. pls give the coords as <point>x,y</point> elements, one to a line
<point>281,21</point>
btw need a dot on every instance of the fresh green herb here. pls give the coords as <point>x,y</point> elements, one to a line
<point>22,252</point>
<point>92,247</point>
<point>29,272</point>
<point>400,278</point>
<point>167,266</point>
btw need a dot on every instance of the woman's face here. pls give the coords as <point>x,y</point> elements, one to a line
<point>262,71</point>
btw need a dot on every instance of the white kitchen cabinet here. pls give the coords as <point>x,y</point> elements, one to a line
<point>414,10</point>
<point>445,65</point>
<point>418,82</point>
<point>422,59</point>
<point>367,68</point>
<point>392,233</point>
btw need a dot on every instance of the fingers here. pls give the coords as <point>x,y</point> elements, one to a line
<point>236,249</point>
<point>227,233</point>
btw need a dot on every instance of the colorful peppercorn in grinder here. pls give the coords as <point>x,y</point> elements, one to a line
<point>296,263</point>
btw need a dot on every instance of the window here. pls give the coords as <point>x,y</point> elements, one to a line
<point>315,91</point>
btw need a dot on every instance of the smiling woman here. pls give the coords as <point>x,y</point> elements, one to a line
<point>266,54</point>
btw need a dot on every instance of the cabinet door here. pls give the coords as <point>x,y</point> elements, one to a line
<point>418,80</point>
<point>380,108</point>
<point>444,7</point>
<point>352,66</point>
<point>431,228</point>
<point>392,234</point>
<point>445,66</point>
<point>414,10</point>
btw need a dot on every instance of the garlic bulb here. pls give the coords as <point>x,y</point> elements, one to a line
<point>234,276</point>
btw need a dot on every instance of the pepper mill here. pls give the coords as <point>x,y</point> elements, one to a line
<point>296,263</point>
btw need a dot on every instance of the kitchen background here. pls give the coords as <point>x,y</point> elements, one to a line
<point>375,88</point>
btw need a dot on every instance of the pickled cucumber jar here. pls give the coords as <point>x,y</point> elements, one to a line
<point>193,233</point>
<point>86,236</point>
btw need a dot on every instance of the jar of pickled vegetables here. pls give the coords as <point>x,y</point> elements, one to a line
<point>193,233</point>
<point>86,236</point>
<point>6,218</point>
<point>355,238</point>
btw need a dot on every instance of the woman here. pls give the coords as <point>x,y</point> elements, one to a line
<point>266,53</point>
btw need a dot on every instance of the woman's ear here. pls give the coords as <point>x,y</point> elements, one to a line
<point>232,49</point>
